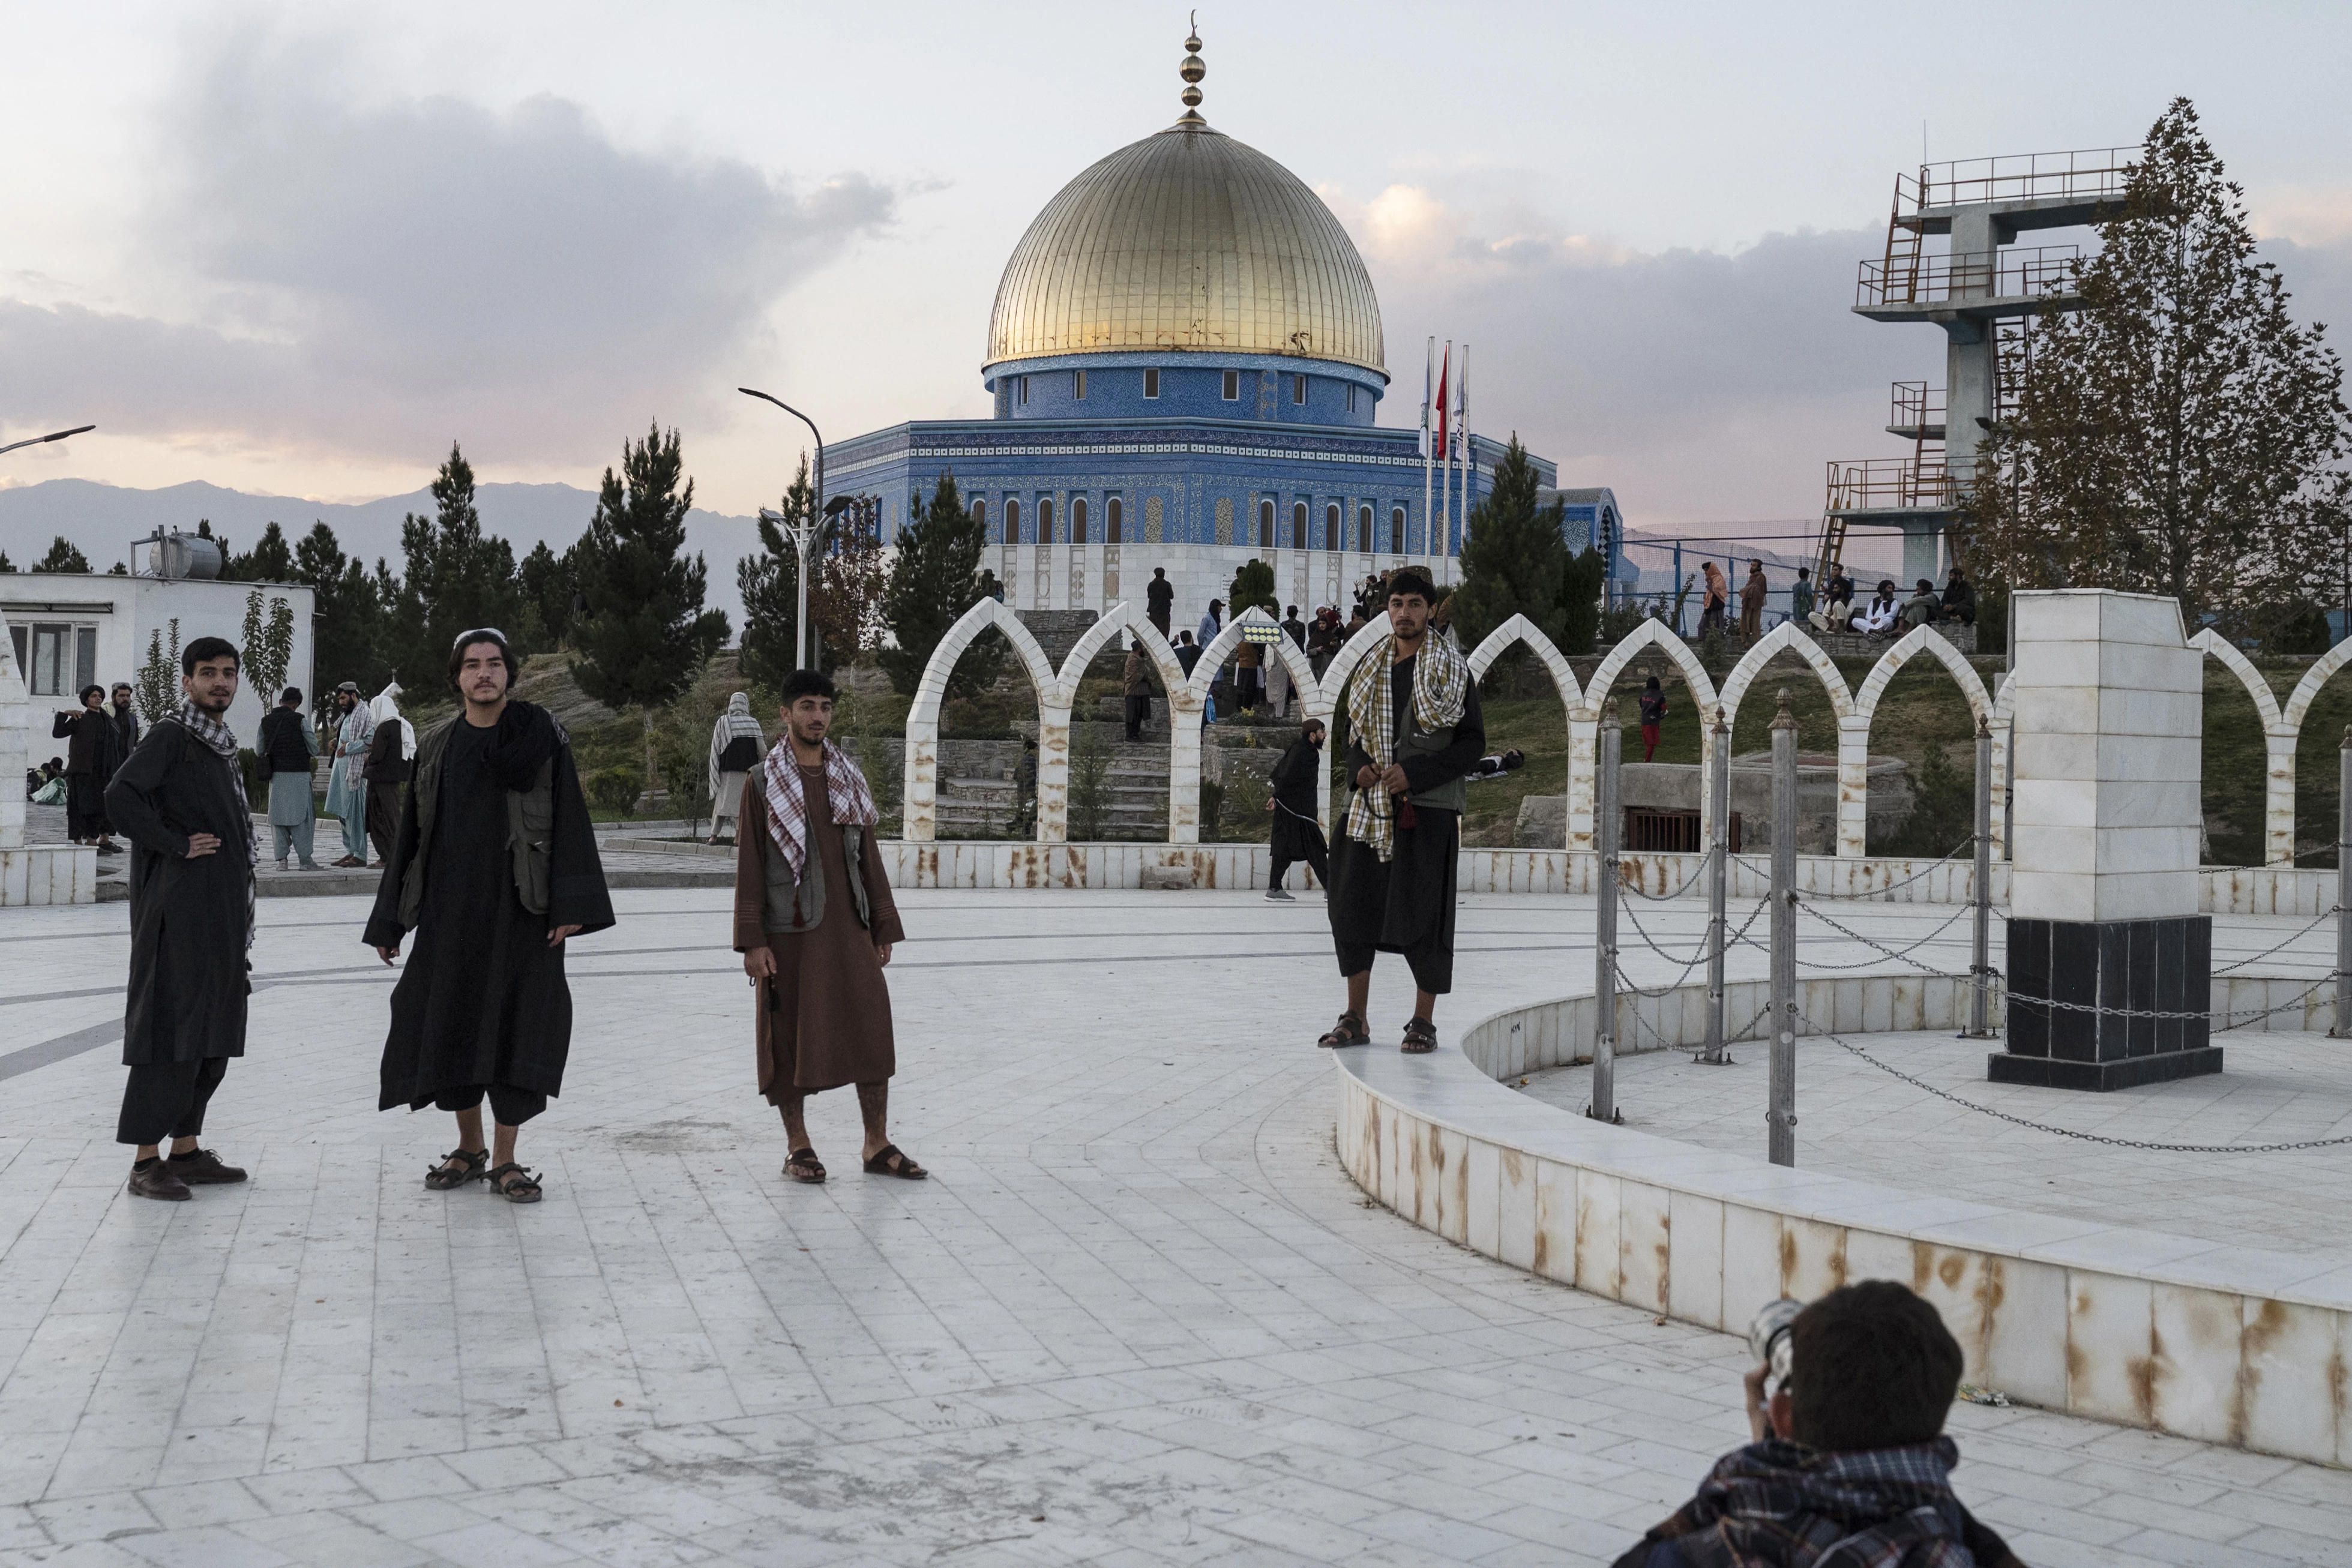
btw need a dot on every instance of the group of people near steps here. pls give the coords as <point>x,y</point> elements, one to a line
<point>492,870</point>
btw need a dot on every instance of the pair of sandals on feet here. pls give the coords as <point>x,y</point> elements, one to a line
<point>460,1166</point>
<point>1419,1034</point>
<point>888,1160</point>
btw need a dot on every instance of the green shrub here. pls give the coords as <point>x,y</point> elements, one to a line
<point>616,788</point>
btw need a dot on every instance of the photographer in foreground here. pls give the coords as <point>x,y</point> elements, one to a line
<point>1850,1468</point>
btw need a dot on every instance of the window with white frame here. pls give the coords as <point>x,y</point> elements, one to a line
<point>56,658</point>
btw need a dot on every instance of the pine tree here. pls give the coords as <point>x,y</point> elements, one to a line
<point>645,632</point>
<point>935,580</point>
<point>351,617</point>
<point>2179,433</point>
<point>458,578</point>
<point>1252,584</point>
<point>768,584</point>
<point>268,561</point>
<point>1580,583</point>
<point>1513,559</point>
<point>549,583</point>
<point>63,557</point>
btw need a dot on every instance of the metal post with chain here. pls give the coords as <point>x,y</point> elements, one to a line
<point>1980,966</point>
<point>1781,1116</point>
<point>1605,831</point>
<point>1718,875</point>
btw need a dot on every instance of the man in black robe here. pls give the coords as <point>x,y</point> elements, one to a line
<point>1413,734</point>
<point>126,724</point>
<point>180,799</point>
<point>91,758</point>
<point>494,867</point>
<point>1296,835</point>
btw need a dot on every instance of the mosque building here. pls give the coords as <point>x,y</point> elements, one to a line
<point>1186,359</point>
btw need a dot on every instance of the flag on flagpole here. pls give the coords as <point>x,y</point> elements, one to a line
<point>1445,369</point>
<point>1428,378</point>
<point>1462,403</point>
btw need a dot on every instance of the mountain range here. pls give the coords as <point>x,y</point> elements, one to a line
<point>102,520</point>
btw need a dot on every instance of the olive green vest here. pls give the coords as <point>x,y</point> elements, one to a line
<point>531,828</point>
<point>1454,795</point>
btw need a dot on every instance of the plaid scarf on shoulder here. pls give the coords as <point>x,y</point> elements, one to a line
<point>846,790</point>
<point>1440,686</point>
<point>1775,1505</point>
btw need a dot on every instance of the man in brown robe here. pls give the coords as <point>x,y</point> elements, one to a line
<point>816,922</point>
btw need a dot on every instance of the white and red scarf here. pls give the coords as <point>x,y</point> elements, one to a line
<point>845,791</point>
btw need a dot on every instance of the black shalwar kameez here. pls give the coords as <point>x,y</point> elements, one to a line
<point>186,1011</point>
<point>1405,904</point>
<point>482,1007</point>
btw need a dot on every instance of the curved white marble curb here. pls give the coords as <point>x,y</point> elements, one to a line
<point>2228,1344</point>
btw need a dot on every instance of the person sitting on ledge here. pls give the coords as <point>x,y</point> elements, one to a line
<point>1922,606</point>
<point>1960,600</point>
<point>1850,1465</point>
<point>1882,617</point>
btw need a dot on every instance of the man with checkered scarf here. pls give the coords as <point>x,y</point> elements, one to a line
<point>1410,731</point>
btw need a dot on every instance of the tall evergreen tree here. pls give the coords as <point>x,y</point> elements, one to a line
<point>934,581</point>
<point>1513,559</point>
<point>549,584</point>
<point>352,618</point>
<point>270,561</point>
<point>458,578</point>
<point>1581,582</point>
<point>63,557</point>
<point>2179,433</point>
<point>644,633</point>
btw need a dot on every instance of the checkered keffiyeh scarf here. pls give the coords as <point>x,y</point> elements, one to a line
<point>1776,1505</point>
<point>845,790</point>
<point>222,740</point>
<point>1441,685</point>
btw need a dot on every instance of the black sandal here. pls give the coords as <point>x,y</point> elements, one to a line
<point>888,1160</point>
<point>447,1177</point>
<point>805,1166</point>
<point>514,1184</point>
<point>1419,1038</point>
<point>1349,1030</point>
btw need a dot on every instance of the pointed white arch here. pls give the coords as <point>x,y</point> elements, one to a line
<point>1229,638</point>
<point>1652,632</point>
<point>2004,704</point>
<point>922,781</point>
<point>2323,669</point>
<point>1520,629</point>
<point>1054,711</point>
<point>2280,734</point>
<point>1854,735</point>
<point>1785,636</point>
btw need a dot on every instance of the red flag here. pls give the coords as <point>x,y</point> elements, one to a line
<point>1444,366</point>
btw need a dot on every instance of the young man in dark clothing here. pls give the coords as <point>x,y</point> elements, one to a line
<point>1296,628</point>
<point>495,866</point>
<point>91,762</point>
<point>288,742</point>
<point>1297,834</point>
<point>180,799</point>
<point>1135,681</point>
<point>1188,652</point>
<point>1413,734</point>
<point>1159,599</point>
<point>1960,600</point>
<point>126,724</point>
<point>1848,1463</point>
<point>1654,714</point>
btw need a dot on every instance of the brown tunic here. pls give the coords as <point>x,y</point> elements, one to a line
<point>825,1019</point>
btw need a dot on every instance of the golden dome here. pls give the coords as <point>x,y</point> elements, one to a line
<point>1186,241</point>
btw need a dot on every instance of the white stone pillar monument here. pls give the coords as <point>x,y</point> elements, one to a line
<point>2104,928</point>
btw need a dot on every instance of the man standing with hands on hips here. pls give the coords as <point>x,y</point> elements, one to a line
<point>816,922</point>
<point>180,799</point>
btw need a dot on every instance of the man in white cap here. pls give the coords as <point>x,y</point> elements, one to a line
<point>737,745</point>
<point>389,757</point>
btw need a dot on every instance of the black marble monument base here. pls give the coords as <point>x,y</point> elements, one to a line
<point>2116,974</point>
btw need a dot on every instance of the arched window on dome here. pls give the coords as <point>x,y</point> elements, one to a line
<point>979,514</point>
<point>1351,397</point>
<point>1011,521</point>
<point>1078,390</point>
<point>1151,381</point>
<point>1079,516</point>
<point>1334,537</point>
<point>1265,524</point>
<point>1113,521</point>
<point>1298,389</point>
<point>1396,530</point>
<point>1364,541</point>
<point>1046,519</point>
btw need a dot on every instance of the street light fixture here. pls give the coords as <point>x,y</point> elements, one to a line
<point>802,531</point>
<point>60,435</point>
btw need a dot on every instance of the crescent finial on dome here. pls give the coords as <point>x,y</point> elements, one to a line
<point>1193,70</point>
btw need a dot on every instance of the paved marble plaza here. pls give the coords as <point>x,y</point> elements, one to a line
<point>1140,1316</point>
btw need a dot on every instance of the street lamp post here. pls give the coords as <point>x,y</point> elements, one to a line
<point>803,533</point>
<point>58,435</point>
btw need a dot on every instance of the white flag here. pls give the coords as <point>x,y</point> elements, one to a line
<point>1462,404</point>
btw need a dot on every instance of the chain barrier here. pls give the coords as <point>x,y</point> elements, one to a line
<point>2209,1014</point>
<point>1904,954</point>
<point>1662,897</point>
<point>2324,915</point>
<point>1928,870</point>
<point>1700,957</point>
<point>1947,1095</point>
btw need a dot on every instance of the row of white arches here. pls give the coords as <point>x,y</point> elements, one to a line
<point>1856,710</point>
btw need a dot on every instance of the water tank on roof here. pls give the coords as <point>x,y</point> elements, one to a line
<point>181,555</point>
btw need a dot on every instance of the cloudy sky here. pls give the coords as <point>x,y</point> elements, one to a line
<point>301,248</point>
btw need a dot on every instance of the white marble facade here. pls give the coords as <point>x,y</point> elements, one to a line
<point>2108,704</point>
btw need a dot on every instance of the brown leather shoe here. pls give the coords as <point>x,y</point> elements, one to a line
<point>200,1167</point>
<point>157,1181</point>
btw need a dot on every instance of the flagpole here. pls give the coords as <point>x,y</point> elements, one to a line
<point>1428,453</point>
<point>1462,432</point>
<point>1445,465</point>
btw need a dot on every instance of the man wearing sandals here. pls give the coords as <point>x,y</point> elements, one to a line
<point>494,867</point>
<point>816,922</point>
<point>1413,733</point>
